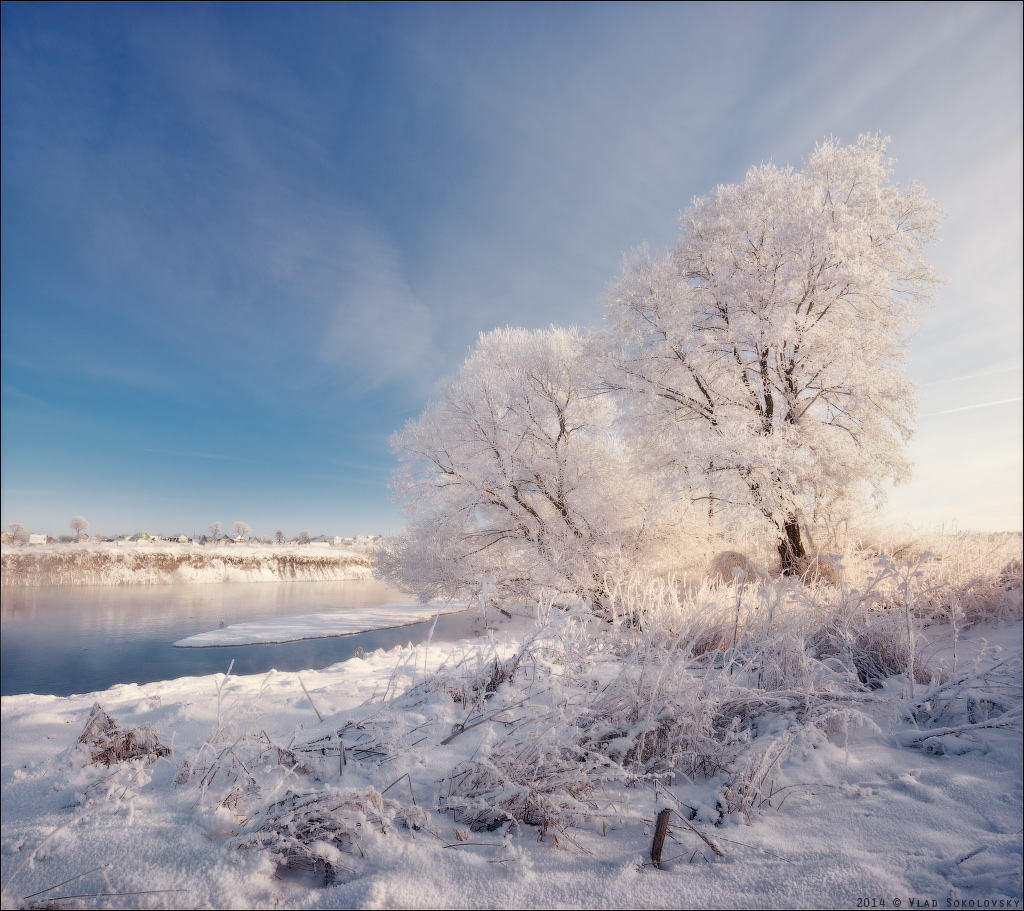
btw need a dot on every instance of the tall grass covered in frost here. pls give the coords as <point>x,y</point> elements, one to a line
<point>693,690</point>
<point>685,694</point>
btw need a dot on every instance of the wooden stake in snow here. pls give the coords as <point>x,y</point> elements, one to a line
<point>660,831</point>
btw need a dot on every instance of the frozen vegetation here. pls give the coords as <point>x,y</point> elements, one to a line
<point>751,377</point>
<point>684,697</point>
<point>167,562</point>
<point>813,746</point>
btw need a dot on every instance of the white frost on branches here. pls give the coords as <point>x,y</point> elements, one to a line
<point>513,473</point>
<point>763,357</point>
<point>758,367</point>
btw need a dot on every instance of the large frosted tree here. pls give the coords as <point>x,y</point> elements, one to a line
<point>512,477</point>
<point>762,358</point>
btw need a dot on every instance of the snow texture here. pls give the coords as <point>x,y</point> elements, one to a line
<point>362,785</point>
<point>320,626</point>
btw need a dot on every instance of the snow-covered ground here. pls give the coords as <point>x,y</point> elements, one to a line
<point>488,774</point>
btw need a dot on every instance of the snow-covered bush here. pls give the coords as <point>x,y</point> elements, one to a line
<point>323,831</point>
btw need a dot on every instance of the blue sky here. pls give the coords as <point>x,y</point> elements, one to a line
<point>241,243</point>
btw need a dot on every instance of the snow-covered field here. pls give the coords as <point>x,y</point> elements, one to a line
<point>167,562</point>
<point>803,762</point>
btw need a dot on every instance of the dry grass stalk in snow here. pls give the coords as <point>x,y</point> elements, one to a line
<point>746,790</point>
<point>817,569</point>
<point>965,704</point>
<point>107,743</point>
<point>239,761</point>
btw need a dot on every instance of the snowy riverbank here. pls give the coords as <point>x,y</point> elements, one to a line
<point>167,562</point>
<point>441,776</point>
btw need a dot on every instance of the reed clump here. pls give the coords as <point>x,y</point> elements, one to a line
<point>108,743</point>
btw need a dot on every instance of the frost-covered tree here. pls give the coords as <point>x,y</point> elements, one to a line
<point>18,533</point>
<point>242,530</point>
<point>512,479</point>
<point>762,358</point>
<point>78,525</point>
<point>279,537</point>
<point>214,530</point>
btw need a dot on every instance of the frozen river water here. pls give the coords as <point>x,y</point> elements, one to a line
<point>62,640</point>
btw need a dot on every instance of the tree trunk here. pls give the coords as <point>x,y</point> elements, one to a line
<point>791,547</point>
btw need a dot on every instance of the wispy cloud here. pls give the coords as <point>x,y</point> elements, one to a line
<point>345,276</point>
<point>192,455</point>
<point>971,376</point>
<point>975,407</point>
<point>270,231</point>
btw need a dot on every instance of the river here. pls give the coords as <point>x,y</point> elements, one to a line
<point>61,640</point>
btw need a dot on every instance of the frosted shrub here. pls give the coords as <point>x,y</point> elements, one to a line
<point>731,565</point>
<point>883,650</point>
<point>106,742</point>
<point>536,778</point>
<point>321,832</point>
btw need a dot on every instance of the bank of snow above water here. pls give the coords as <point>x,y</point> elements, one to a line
<point>167,563</point>
<point>499,773</point>
<point>831,746</point>
<point>320,626</point>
